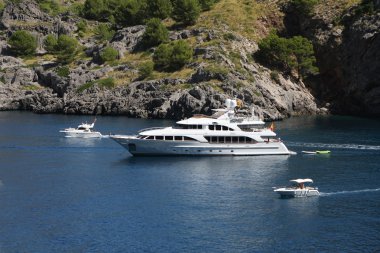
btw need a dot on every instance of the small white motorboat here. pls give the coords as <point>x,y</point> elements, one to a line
<point>298,188</point>
<point>84,130</point>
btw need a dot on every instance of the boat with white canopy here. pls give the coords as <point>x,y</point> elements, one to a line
<point>299,188</point>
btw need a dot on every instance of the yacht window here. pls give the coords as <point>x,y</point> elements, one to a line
<point>211,127</point>
<point>225,128</point>
<point>188,139</point>
<point>168,138</point>
<point>214,139</point>
<point>208,138</point>
<point>150,138</point>
<point>218,127</point>
<point>221,139</point>
<point>241,140</point>
<point>228,139</point>
<point>159,137</point>
<point>178,138</point>
<point>250,140</point>
<point>235,139</point>
<point>200,127</point>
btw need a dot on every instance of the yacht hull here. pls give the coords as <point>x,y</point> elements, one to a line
<point>141,147</point>
<point>77,134</point>
<point>296,193</point>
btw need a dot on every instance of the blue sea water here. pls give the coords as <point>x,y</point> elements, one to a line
<point>88,195</point>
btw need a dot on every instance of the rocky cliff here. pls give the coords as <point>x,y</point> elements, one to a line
<point>346,37</point>
<point>222,67</point>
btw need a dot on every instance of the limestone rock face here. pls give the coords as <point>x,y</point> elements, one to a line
<point>127,39</point>
<point>25,11</point>
<point>360,54</point>
<point>347,56</point>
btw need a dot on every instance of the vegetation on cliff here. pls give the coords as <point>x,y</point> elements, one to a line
<point>226,46</point>
<point>22,43</point>
<point>288,54</point>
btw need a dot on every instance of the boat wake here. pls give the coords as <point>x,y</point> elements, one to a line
<point>332,145</point>
<point>348,192</point>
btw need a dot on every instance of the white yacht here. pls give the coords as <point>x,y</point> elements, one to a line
<point>84,130</point>
<point>298,189</point>
<point>227,132</point>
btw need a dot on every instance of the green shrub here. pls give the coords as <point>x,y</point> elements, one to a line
<point>108,54</point>
<point>303,52</point>
<point>22,43</point>
<point>216,69</point>
<point>85,86</point>
<point>128,12</point>
<point>146,69</point>
<point>365,7</point>
<point>304,7</point>
<point>162,56</point>
<point>155,33</point>
<point>66,49</point>
<point>108,83</point>
<point>82,26</point>
<point>186,11</point>
<point>103,32</point>
<point>95,9</point>
<point>63,71</point>
<point>295,53</point>
<point>207,4</point>
<point>229,36</point>
<point>172,56</point>
<point>158,9</point>
<point>50,43</point>
<point>77,8</point>
<point>2,6</point>
<point>52,7</point>
<point>275,76</point>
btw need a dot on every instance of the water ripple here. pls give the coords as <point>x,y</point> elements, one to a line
<point>349,192</point>
<point>334,145</point>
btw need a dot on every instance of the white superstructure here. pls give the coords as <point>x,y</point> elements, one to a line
<point>227,132</point>
<point>84,130</point>
<point>298,189</point>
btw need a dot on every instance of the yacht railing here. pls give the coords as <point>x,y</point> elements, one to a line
<point>150,128</point>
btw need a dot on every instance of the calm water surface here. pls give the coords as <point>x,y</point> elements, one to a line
<point>75,195</point>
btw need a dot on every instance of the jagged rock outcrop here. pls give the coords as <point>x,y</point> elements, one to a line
<point>127,39</point>
<point>18,14</point>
